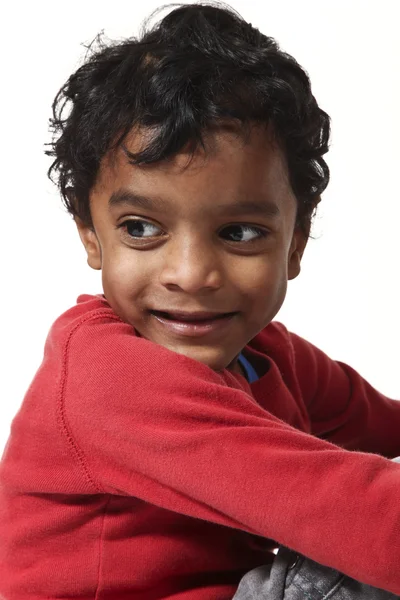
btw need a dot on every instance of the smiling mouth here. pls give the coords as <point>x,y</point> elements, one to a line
<point>193,325</point>
<point>191,318</point>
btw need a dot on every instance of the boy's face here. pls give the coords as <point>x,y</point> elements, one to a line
<point>201,247</point>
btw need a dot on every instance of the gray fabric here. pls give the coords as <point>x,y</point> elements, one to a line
<point>293,577</point>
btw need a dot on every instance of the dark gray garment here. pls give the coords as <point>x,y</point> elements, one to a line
<point>294,577</point>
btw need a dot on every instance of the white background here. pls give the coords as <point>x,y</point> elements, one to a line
<point>346,300</point>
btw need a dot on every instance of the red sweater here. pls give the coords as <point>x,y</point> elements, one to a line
<point>132,471</point>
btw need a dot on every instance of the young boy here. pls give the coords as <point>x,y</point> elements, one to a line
<point>174,436</point>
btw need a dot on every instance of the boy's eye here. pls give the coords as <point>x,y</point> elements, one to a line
<point>245,233</point>
<point>140,229</point>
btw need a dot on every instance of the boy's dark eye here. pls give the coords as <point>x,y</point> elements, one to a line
<point>245,233</point>
<point>140,229</point>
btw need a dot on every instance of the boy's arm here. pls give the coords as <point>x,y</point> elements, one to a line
<point>143,421</point>
<point>343,407</point>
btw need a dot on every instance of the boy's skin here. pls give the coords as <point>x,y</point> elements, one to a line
<point>195,265</point>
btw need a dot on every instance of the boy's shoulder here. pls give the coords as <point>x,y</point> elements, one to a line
<point>88,308</point>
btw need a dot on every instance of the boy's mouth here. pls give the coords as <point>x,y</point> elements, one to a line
<point>192,324</point>
<point>194,317</point>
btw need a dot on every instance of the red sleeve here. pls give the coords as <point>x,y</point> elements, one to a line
<point>343,407</point>
<point>143,421</point>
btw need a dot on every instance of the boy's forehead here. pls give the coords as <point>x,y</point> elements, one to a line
<point>229,158</point>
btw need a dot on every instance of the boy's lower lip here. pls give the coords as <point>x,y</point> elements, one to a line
<point>195,328</point>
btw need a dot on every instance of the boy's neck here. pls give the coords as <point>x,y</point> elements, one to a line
<point>236,367</point>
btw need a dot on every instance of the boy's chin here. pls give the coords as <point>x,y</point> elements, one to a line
<point>215,358</point>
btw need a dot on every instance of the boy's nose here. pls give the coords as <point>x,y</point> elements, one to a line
<point>192,267</point>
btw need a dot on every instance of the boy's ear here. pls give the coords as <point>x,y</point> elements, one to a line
<point>297,247</point>
<point>90,241</point>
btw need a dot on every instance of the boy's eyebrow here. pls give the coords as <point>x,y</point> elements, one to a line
<point>156,204</point>
<point>123,196</point>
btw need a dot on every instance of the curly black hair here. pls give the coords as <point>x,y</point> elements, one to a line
<point>199,65</point>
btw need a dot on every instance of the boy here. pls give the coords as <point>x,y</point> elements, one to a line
<point>174,436</point>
